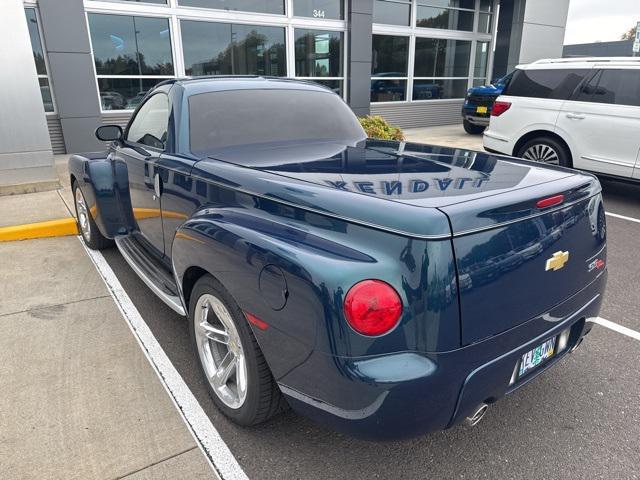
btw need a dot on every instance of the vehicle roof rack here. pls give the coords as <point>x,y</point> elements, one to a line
<point>586,60</point>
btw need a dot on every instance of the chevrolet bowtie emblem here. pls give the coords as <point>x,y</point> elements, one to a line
<point>557,261</point>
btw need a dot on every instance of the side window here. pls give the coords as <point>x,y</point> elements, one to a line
<point>618,87</point>
<point>149,127</point>
<point>557,84</point>
<point>586,91</point>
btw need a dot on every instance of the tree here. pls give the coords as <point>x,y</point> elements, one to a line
<point>629,34</point>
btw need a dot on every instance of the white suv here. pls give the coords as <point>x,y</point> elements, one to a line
<point>582,113</point>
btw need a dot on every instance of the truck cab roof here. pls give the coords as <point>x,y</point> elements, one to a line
<point>218,83</point>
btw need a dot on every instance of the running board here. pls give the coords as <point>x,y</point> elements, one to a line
<point>151,272</point>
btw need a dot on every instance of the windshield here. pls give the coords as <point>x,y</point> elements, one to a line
<point>225,119</point>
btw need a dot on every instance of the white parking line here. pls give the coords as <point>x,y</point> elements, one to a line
<point>630,219</point>
<point>207,437</point>
<point>616,328</point>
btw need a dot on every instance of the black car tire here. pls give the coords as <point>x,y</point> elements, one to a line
<point>472,129</point>
<point>91,234</point>
<point>542,144</point>
<point>263,397</point>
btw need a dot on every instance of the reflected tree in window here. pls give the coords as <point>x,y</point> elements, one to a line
<point>224,49</point>
<point>127,45</point>
<point>318,53</point>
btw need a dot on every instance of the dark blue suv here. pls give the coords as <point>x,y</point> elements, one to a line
<point>476,110</point>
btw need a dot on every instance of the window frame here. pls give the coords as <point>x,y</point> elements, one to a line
<point>97,76</point>
<point>441,34</point>
<point>43,45</point>
<point>133,118</point>
<point>475,59</point>
<point>291,68</point>
<point>475,11</point>
<point>591,72</point>
<point>230,24</point>
<point>289,7</point>
<point>405,78</point>
<point>410,3</point>
<point>174,13</point>
<point>598,73</point>
<point>176,4</point>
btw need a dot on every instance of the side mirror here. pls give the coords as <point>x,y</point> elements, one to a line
<point>108,133</point>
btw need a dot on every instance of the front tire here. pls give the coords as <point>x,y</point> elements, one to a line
<point>545,150</point>
<point>472,129</point>
<point>231,362</point>
<point>91,235</point>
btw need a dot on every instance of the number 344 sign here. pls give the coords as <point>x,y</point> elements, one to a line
<point>318,13</point>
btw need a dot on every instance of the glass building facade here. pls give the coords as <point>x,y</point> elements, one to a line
<point>429,50</point>
<point>39,58</point>
<point>134,50</point>
<point>422,50</point>
<point>410,61</point>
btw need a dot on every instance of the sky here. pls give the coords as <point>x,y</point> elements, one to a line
<point>600,20</point>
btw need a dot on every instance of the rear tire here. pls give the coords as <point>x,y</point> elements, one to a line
<point>221,337</point>
<point>472,129</point>
<point>545,150</point>
<point>87,227</point>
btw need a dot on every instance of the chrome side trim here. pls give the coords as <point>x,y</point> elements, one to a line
<point>612,162</point>
<point>495,137</point>
<point>173,302</point>
<point>185,307</point>
<point>358,414</point>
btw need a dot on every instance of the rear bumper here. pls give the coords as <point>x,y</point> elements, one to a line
<point>407,394</point>
<point>476,120</point>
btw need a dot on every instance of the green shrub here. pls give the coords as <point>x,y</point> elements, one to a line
<point>378,128</point>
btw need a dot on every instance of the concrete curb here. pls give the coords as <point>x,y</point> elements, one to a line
<point>51,228</point>
<point>33,187</point>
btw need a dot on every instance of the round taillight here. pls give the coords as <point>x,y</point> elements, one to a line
<point>372,307</point>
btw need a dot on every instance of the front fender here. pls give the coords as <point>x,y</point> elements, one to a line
<point>104,183</point>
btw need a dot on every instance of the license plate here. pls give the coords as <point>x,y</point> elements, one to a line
<point>482,109</point>
<point>537,356</point>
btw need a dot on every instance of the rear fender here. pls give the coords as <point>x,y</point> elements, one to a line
<point>293,274</point>
<point>105,185</point>
<point>258,277</point>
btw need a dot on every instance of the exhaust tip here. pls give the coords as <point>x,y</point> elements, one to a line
<point>578,343</point>
<point>478,415</point>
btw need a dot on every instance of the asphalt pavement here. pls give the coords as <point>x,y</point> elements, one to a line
<point>580,419</point>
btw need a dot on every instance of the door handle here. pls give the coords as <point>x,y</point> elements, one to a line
<point>157,186</point>
<point>576,116</point>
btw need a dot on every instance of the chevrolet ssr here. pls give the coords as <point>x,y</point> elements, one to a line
<point>387,289</point>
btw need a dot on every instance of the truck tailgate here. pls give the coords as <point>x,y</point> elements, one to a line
<point>531,260</point>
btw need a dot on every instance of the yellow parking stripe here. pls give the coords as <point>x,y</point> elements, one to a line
<point>51,228</point>
<point>144,213</point>
<point>68,226</point>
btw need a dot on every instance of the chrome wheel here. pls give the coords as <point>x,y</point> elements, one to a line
<point>220,350</point>
<point>541,152</point>
<point>83,215</point>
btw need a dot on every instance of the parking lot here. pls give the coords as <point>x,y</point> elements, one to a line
<point>579,420</point>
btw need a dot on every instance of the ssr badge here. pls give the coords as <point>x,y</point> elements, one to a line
<point>597,264</point>
<point>557,261</point>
